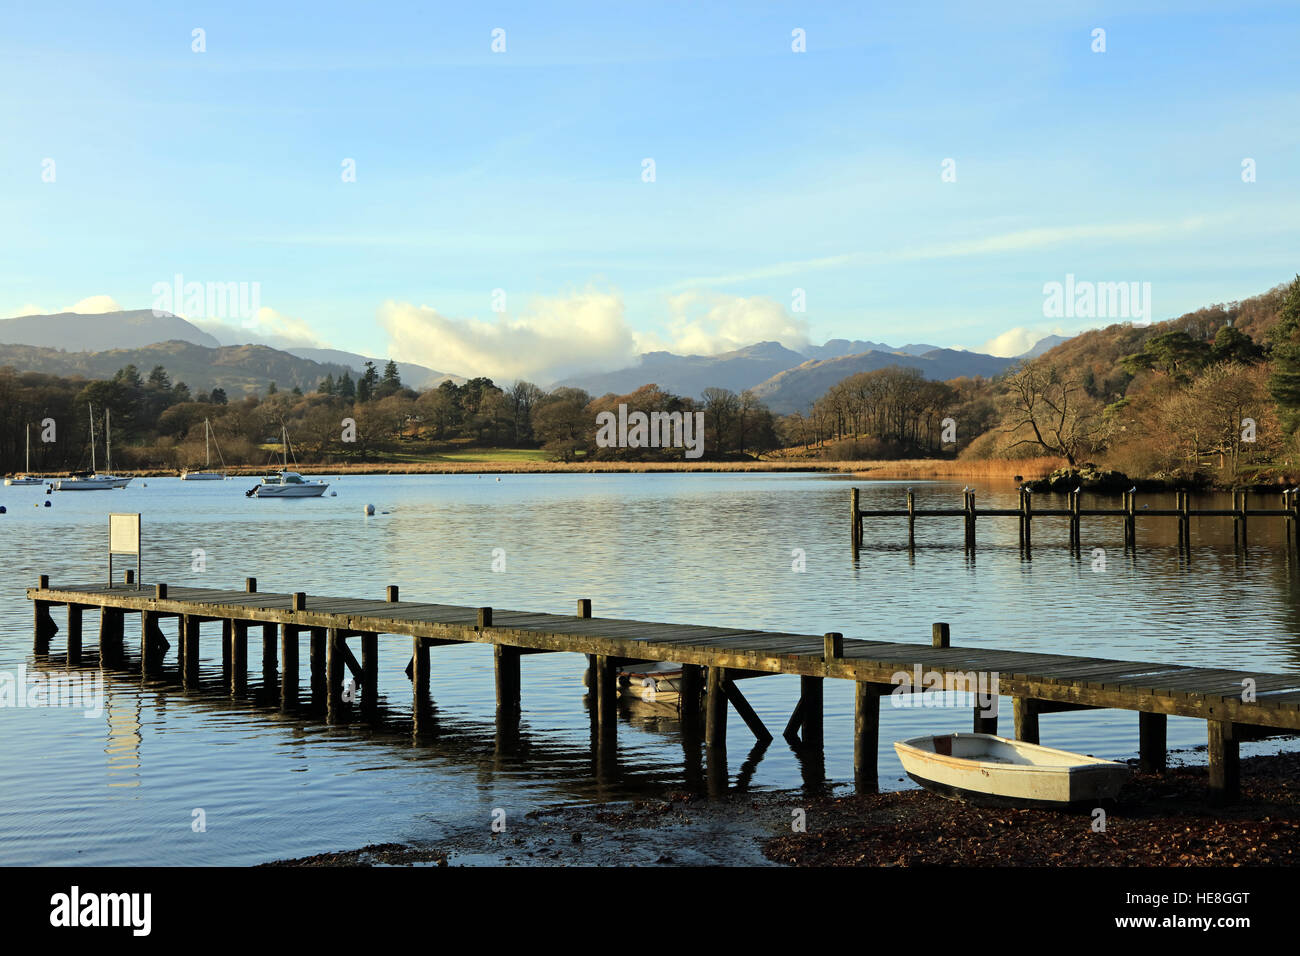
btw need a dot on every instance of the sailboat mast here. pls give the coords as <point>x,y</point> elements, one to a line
<point>91,409</point>
<point>207,454</point>
<point>108,440</point>
<point>28,431</point>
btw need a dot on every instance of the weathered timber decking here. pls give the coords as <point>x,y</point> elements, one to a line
<point>1039,683</point>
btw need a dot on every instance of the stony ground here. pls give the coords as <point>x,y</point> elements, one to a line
<point>1164,820</point>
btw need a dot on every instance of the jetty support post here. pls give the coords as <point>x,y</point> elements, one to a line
<point>985,722</point>
<point>369,670</point>
<point>1130,520</point>
<point>810,712</point>
<point>112,625</point>
<point>969,507</point>
<point>288,664</point>
<point>74,634</point>
<point>1075,536</point>
<point>1152,749</point>
<point>1029,520</point>
<point>692,698</point>
<point>43,626</point>
<point>316,662</point>
<point>189,628</point>
<point>334,654</point>
<point>866,736</point>
<point>911,519</point>
<point>506,660</point>
<point>1225,763</point>
<point>1020,518</point>
<point>1245,515</point>
<point>1024,711</point>
<point>715,716</point>
<point>421,705</point>
<point>227,649</point>
<point>857,519</point>
<point>1184,521</point>
<point>152,644</point>
<point>270,653</point>
<point>238,657</point>
<point>606,698</point>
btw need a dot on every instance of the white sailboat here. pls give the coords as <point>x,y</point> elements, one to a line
<point>207,474</point>
<point>26,478</point>
<point>93,480</point>
<point>286,483</point>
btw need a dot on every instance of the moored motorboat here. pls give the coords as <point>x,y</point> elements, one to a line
<point>288,484</point>
<point>994,771</point>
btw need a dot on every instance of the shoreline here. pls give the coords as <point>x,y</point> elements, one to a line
<point>1160,820</point>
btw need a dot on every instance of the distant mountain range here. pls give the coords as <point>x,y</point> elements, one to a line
<point>238,369</point>
<point>788,380</point>
<point>97,336</point>
<point>795,389</point>
<point>785,379</point>
<point>97,333</point>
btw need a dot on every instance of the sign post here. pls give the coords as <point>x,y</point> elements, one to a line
<point>124,538</point>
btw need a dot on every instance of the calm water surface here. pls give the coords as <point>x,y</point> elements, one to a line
<point>122,788</point>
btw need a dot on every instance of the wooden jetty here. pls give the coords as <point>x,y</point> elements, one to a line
<point>1127,513</point>
<point>1236,705</point>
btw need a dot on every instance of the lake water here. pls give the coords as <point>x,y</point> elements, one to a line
<point>123,787</point>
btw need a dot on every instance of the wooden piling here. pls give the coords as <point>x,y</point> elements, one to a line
<point>111,627</point>
<point>391,593</point>
<point>866,736</point>
<point>911,518</point>
<point>270,642</point>
<point>288,664</point>
<point>316,661</point>
<point>715,709</point>
<point>369,670</point>
<point>1151,741</point>
<point>189,627</point>
<point>857,518</point>
<point>970,520</point>
<point>940,634</point>
<point>334,668</point>
<point>1020,517</point>
<point>238,658</point>
<point>832,646</point>
<point>1225,769</point>
<point>250,585</point>
<point>1028,519</point>
<point>150,644</point>
<point>43,626</point>
<point>227,650</point>
<point>1024,712</point>
<point>74,634</point>
<point>606,694</point>
<point>506,660</point>
<point>420,706</point>
<point>811,711</point>
<point>692,697</point>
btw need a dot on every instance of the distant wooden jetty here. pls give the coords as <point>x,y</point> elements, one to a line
<point>1127,514</point>
<point>1236,705</point>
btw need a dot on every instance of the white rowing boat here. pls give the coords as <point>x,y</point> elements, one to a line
<point>989,770</point>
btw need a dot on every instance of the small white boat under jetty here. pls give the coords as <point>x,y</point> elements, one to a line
<point>993,771</point>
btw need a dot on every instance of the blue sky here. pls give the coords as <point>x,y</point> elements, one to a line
<point>521,171</point>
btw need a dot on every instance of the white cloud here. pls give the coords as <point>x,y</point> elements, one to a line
<point>553,338</point>
<point>27,309</point>
<point>91,305</point>
<point>1017,341</point>
<point>728,322</point>
<point>94,305</point>
<point>271,328</point>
